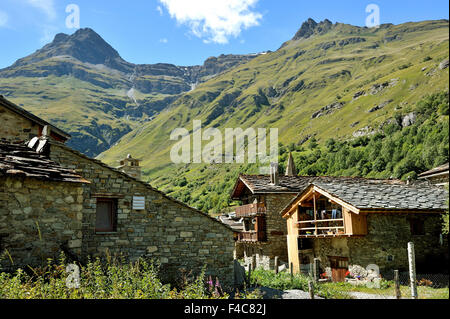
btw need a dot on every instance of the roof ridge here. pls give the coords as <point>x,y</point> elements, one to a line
<point>136,180</point>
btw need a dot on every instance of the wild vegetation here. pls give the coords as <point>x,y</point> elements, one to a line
<point>110,279</point>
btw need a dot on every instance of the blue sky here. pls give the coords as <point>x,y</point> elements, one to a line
<point>186,32</point>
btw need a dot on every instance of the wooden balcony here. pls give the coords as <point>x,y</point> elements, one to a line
<point>250,210</point>
<point>251,236</point>
<point>321,228</point>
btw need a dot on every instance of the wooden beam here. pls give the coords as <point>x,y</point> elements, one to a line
<point>336,200</point>
<point>315,210</point>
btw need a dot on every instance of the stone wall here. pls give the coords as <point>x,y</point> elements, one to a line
<point>16,128</point>
<point>386,244</point>
<point>179,237</point>
<point>37,218</point>
<point>276,230</point>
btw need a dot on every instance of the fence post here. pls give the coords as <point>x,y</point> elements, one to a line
<point>311,289</point>
<point>292,271</point>
<point>249,276</point>
<point>253,262</point>
<point>412,270</point>
<point>276,264</point>
<point>398,294</point>
<point>316,270</point>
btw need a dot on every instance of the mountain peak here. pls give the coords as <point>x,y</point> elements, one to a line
<point>84,45</point>
<point>311,27</point>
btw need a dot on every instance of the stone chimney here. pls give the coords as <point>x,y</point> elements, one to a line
<point>290,167</point>
<point>130,166</point>
<point>274,176</point>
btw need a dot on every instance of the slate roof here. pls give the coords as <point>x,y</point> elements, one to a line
<point>365,194</point>
<point>260,184</point>
<point>18,160</point>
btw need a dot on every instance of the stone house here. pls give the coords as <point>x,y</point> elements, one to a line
<point>263,197</point>
<point>40,207</point>
<point>437,176</point>
<point>115,214</point>
<point>356,221</point>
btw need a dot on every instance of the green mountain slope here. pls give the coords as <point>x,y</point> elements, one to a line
<point>330,81</point>
<point>81,84</point>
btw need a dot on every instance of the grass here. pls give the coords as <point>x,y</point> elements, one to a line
<point>388,289</point>
<point>283,281</point>
<point>342,290</point>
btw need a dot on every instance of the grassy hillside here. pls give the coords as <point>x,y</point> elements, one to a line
<point>345,83</point>
<point>81,84</point>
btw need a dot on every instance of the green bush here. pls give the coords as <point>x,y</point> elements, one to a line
<point>113,279</point>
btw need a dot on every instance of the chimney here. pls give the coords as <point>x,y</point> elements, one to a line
<point>274,177</point>
<point>130,166</point>
<point>290,167</point>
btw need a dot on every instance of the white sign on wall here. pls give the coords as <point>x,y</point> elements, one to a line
<point>138,202</point>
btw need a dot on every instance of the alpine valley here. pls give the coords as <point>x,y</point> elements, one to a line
<point>346,100</point>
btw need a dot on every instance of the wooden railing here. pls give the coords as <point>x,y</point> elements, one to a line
<point>250,210</point>
<point>251,236</point>
<point>332,227</point>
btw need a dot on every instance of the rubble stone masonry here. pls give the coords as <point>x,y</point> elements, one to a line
<point>386,243</point>
<point>179,237</point>
<point>276,231</point>
<point>15,128</point>
<point>38,218</point>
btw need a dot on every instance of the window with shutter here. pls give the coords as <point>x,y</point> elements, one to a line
<point>106,215</point>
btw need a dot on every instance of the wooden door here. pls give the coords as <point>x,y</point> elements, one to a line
<point>339,267</point>
<point>260,228</point>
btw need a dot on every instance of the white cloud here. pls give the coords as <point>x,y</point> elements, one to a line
<point>163,40</point>
<point>214,20</point>
<point>3,19</point>
<point>47,6</point>
<point>160,10</point>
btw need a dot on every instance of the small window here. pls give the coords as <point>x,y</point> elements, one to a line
<point>106,215</point>
<point>417,227</point>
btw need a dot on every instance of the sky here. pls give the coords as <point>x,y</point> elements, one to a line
<point>187,32</point>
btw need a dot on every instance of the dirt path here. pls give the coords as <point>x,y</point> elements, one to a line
<point>269,293</point>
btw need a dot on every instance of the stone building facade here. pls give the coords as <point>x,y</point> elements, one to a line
<point>379,219</point>
<point>38,220</point>
<point>61,200</point>
<point>177,236</point>
<point>274,245</point>
<point>41,208</point>
<point>257,189</point>
<point>386,242</point>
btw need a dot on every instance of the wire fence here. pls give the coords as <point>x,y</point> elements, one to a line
<point>387,285</point>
